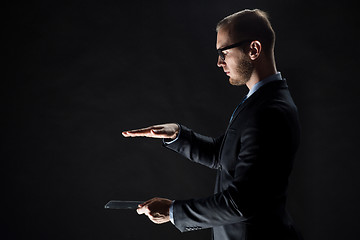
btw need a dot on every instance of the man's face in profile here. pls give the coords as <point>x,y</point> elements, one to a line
<point>237,64</point>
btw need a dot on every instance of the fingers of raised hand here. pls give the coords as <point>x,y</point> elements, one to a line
<point>143,132</point>
<point>153,132</point>
<point>169,130</point>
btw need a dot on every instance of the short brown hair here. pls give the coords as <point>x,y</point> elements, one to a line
<point>250,24</point>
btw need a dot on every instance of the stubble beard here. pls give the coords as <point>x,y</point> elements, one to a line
<point>243,73</point>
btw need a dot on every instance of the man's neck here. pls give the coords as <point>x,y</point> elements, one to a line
<point>259,75</point>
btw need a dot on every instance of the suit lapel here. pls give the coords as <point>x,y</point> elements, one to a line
<point>260,93</point>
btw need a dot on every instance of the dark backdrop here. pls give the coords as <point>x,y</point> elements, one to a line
<point>77,73</point>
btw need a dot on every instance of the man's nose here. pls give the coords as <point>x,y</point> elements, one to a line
<point>220,62</point>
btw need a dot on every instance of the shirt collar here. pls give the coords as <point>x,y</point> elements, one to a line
<point>274,77</point>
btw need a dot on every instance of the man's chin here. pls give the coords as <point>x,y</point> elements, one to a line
<point>236,82</point>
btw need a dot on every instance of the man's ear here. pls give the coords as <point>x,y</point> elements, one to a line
<point>255,50</point>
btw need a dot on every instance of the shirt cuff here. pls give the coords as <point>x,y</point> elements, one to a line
<point>171,213</point>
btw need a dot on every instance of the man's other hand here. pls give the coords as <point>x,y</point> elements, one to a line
<point>168,130</point>
<point>156,209</point>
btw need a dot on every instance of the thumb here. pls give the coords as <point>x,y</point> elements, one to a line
<point>157,131</point>
<point>141,210</point>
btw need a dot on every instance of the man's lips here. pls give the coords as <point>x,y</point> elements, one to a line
<point>227,72</point>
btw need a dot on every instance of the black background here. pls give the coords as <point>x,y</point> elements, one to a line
<point>77,73</point>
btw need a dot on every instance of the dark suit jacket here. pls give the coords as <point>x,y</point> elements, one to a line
<point>253,160</point>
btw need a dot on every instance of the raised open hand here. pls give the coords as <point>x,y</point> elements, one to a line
<point>168,130</point>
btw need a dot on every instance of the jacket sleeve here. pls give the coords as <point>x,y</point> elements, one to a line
<point>259,179</point>
<point>196,147</point>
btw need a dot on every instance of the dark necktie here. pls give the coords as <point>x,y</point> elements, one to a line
<point>238,107</point>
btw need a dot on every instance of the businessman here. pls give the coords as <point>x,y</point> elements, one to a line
<point>253,158</point>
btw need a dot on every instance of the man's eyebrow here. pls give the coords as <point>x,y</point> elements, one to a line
<point>224,45</point>
<point>222,48</point>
